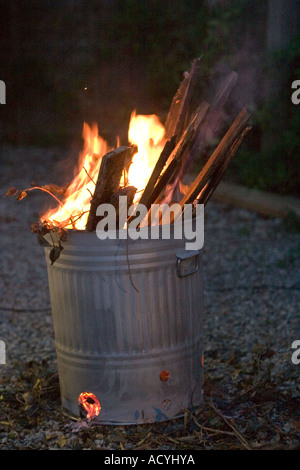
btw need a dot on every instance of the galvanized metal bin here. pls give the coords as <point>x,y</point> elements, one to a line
<point>128,326</point>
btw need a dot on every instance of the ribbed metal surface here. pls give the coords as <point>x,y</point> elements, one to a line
<point>121,316</point>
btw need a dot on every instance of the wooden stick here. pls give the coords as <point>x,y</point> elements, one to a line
<point>178,113</point>
<point>224,91</point>
<point>129,192</point>
<point>198,120</point>
<point>165,154</point>
<point>205,174</point>
<point>212,121</point>
<point>112,166</point>
<point>208,190</point>
<point>173,166</point>
<point>208,123</point>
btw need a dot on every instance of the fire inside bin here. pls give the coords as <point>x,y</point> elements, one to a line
<point>128,313</point>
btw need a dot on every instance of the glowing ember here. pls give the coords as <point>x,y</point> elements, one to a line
<point>90,404</point>
<point>146,132</point>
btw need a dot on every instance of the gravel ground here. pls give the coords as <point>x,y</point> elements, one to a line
<point>251,294</point>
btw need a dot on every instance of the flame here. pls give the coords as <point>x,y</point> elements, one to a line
<point>90,403</point>
<point>146,132</point>
<point>73,212</point>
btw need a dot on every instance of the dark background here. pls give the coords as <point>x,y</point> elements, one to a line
<point>69,61</point>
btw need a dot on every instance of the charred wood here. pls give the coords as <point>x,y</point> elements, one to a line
<point>217,157</point>
<point>108,182</point>
<point>178,113</point>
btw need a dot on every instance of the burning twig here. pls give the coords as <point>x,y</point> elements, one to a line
<point>89,175</point>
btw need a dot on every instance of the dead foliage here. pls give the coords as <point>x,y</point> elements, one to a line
<point>253,410</point>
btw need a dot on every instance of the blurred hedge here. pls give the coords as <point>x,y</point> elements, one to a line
<point>69,61</point>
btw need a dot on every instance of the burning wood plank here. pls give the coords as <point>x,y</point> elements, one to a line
<point>197,123</point>
<point>162,160</point>
<point>129,192</point>
<point>108,182</point>
<point>178,113</point>
<point>156,182</point>
<point>175,159</point>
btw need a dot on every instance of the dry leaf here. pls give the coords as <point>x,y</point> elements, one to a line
<point>55,253</point>
<point>11,192</point>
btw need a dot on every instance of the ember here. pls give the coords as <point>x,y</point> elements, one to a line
<point>89,405</point>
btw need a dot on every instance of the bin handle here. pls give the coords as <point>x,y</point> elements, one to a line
<point>187,262</point>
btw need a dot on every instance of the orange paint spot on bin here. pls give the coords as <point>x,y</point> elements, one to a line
<point>164,375</point>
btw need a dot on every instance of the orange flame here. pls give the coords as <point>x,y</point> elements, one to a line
<point>90,404</point>
<point>146,132</point>
<point>73,212</point>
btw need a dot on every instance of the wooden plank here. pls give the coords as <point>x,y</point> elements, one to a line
<point>129,192</point>
<point>208,123</point>
<point>179,109</point>
<point>224,90</point>
<point>198,119</point>
<point>174,165</point>
<point>216,158</point>
<point>164,156</point>
<point>212,122</point>
<point>216,177</point>
<point>112,166</point>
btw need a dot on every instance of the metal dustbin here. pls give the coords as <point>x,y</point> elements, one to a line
<point>127,318</point>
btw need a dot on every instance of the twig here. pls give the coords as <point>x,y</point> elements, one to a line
<point>144,439</point>
<point>74,220</point>
<point>236,432</point>
<point>7,423</point>
<point>215,431</point>
<point>128,263</point>
<point>41,188</point>
<point>46,191</point>
<point>89,175</point>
